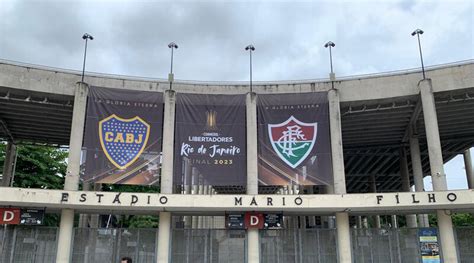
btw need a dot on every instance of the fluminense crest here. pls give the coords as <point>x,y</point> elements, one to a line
<point>293,140</point>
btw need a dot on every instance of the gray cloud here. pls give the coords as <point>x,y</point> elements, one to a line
<point>131,37</point>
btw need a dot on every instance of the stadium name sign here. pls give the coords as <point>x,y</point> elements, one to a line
<point>89,200</point>
<point>282,201</point>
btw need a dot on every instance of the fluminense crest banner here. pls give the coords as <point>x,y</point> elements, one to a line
<point>123,136</point>
<point>293,136</point>
<point>210,140</point>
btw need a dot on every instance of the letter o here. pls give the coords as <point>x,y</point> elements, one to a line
<point>163,200</point>
<point>298,201</point>
<point>452,197</point>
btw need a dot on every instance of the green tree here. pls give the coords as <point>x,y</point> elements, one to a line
<point>40,167</point>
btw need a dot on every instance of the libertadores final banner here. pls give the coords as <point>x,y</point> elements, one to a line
<point>210,140</point>
<point>293,139</point>
<point>123,136</point>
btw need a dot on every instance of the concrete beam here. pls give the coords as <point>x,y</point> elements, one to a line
<point>369,87</point>
<point>150,202</point>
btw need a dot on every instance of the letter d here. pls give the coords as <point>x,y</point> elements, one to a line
<point>8,216</point>
<point>254,220</point>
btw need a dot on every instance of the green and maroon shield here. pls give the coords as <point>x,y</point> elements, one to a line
<point>293,140</point>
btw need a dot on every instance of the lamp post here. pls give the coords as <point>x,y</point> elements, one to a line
<point>332,76</point>
<point>419,32</point>
<point>86,37</point>
<point>172,46</point>
<point>250,48</point>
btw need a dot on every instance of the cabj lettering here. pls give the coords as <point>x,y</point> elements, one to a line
<point>123,137</point>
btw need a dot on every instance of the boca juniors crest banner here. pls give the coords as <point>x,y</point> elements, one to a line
<point>210,140</point>
<point>123,136</point>
<point>293,136</point>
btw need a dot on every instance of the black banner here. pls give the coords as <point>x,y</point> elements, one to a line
<point>210,140</point>
<point>294,143</point>
<point>123,136</point>
<point>234,221</point>
<point>32,217</point>
<point>273,221</point>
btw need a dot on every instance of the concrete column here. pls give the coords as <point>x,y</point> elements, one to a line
<point>164,231</point>
<point>468,166</point>
<point>445,224</point>
<point>72,175</point>
<point>253,244</point>
<point>8,164</point>
<point>94,218</point>
<point>359,221</point>
<point>418,175</point>
<point>343,238</point>
<point>405,176</point>
<point>342,218</point>
<point>394,221</point>
<point>200,192</point>
<point>164,238</point>
<point>373,189</point>
<point>252,156</point>
<point>187,189</point>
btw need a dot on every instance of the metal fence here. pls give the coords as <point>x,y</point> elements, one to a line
<point>298,245</point>
<point>39,245</point>
<point>208,245</point>
<point>385,245</point>
<point>27,244</point>
<point>109,245</point>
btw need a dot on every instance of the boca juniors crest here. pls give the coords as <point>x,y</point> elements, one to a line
<point>293,140</point>
<point>123,140</point>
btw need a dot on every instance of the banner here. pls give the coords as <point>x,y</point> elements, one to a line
<point>429,246</point>
<point>293,139</point>
<point>210,140</point>
<point>123,136</point>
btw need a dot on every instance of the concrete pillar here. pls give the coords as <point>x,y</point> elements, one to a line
<point>164,231</point>
<point>373,189</point>
<point>468,166</point>
<point>72,175</point>
<point>359,222</point>
<point>445,224</point>
<point>343,241</point>
<point>418,175</point>
<point>8,164</point>
<point>394,221</point>
<point>200,192</point>
<point>342,218</point>
<point>187,189</point>
<point>405,176</point>
<point>253,244</point>
<point>84,218</point>
<point>94,218</point>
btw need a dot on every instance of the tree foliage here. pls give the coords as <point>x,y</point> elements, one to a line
<point>38,166</point>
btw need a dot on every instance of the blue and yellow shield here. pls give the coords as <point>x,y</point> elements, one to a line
<point>123,140</point>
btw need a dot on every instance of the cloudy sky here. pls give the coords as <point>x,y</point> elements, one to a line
<point>131,37</point>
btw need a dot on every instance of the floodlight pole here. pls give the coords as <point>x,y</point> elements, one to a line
<point>250,48</point>
<point>172,46</point>
<point>419,32</point>
<point>332,77</point>
<point>85,37</point>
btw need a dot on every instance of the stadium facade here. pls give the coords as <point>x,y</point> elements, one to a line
<point>385,132</point>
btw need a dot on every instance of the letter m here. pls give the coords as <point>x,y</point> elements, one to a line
<point>238,201</point>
